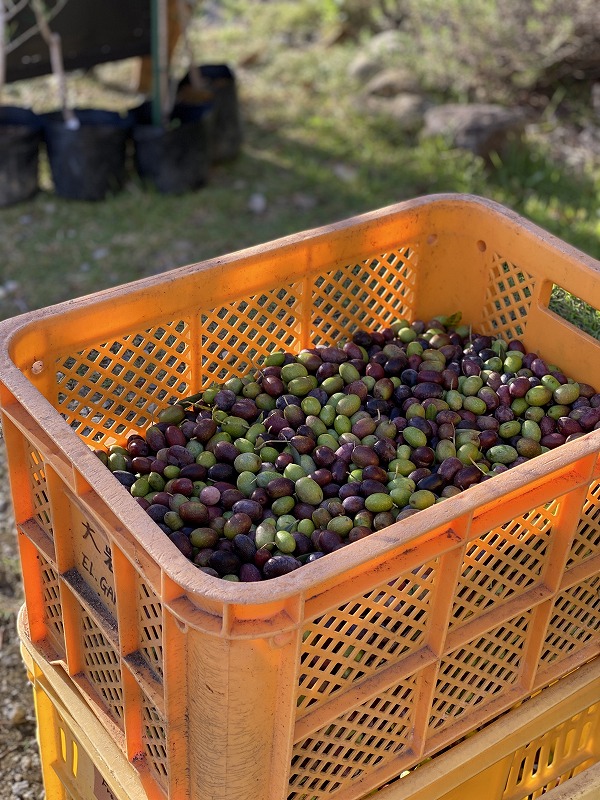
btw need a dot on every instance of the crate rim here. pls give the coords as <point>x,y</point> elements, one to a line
<point>14,382</point>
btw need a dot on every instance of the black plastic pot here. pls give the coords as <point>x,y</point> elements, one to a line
<point>218,88</point>
<point>174,158</point>
<point>87,162</point>
<point>20,137</point>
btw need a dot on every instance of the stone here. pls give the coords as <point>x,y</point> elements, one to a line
<point>407,110</point>
<point>257,203</point>
<point>345,172</point>
<point>17,716</point>
<point>482,128</point>
<point>304,201</point>
<point>391,82</point>
<point>377,55</point>
<point>364,66</point>
<point>386,43</point>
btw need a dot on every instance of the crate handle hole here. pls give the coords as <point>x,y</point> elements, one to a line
<point>182,626</point>
<point>63,744</point>
<point>575,310</point>
<point>74,759</point>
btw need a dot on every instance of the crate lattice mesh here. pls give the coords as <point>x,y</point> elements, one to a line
<point>154,738</point>
<point>52,605</point>
<point>363,636</point>
<point>367,737</point>
<point>150,628</point>
<point>102,667</point>
<point>106,390</point>
<point>503,563</point>
<point>507,299</point>
<point>39,490</point>
<point>376,291</point>
<point>472,674</point>
<point>587,536</point>
<point>235,337</point>
<point>574,621</point>
<point>553,758</point>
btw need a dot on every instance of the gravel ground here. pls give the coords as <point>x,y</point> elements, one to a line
<point>20,777</point>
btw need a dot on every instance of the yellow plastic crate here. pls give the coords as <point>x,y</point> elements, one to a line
<point>334,679</point>
<point>79,759</point>
<point>548,746</point>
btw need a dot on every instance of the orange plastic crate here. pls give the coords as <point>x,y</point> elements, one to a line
<point>550,745</point>
<point>332,680</point>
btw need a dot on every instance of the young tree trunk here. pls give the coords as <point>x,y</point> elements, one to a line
<point>53,41</point>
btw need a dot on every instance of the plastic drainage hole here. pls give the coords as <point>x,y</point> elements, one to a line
<point>481,245</point>
<point>37,367</point>
<point>575,310</point>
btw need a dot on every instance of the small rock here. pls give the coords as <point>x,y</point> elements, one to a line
<point>480,127</point>
<point>304,201</point>
<point>17,716</point>
<point>26,219</point>
<point>257,203</point>
<point>18,788</point>
<point>99,253</point>
<point>407,110</point>
<point>345,172</point>
<point>11,286</point>
<point>385,43</point>
<point>364,67</point>
<point>25,763</point>
<point>376,55</point>
<point>85,267</point>
<point>392,82</point>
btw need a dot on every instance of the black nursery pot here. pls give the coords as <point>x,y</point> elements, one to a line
<point>218,87</point>
<point>88,162</point>
<point>174,158</point>
<point>20,138</point>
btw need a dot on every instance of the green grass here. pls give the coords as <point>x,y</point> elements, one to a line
<point>576,311</point>
<point>308,150</point>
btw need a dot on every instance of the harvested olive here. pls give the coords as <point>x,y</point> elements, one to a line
<point>308,453</point>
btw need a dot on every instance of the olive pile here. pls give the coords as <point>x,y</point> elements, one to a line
<point>262,474</point>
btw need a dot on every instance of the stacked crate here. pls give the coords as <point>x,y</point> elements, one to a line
<point>331,681</point>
